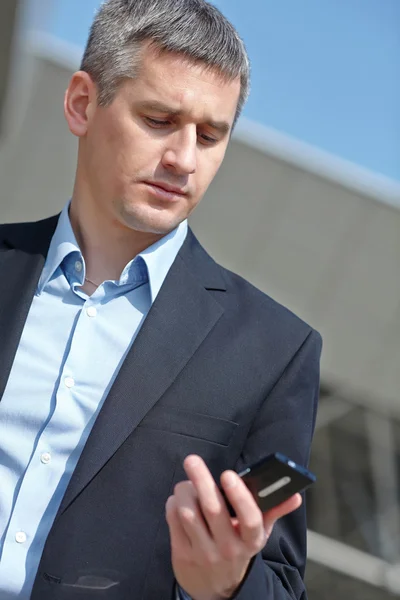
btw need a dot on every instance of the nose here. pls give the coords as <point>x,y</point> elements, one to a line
<point>180,155</point>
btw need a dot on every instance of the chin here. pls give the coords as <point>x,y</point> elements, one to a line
<point>150,220</point>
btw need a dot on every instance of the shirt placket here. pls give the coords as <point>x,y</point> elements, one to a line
<point>49,461</point>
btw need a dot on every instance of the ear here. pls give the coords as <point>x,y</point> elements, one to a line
<point>80,100</point>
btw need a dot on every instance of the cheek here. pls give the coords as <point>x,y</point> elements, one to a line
<point>111,133</point>
<point>113,154</point>
<point>132,150</point>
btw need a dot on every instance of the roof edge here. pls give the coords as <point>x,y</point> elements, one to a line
<point>317,161</point>
<point>49,47</point>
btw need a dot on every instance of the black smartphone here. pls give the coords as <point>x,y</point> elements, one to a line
<point>274,479</point>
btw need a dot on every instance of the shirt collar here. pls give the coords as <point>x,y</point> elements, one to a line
<point>157,258</point>
<point>160,256</point>
<point>63,243</point>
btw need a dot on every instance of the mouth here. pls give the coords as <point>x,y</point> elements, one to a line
<point>165,191</point>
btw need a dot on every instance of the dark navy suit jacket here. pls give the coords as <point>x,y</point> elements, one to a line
<point>218,369</point>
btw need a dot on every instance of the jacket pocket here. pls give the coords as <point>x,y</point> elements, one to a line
<point>191,424</point>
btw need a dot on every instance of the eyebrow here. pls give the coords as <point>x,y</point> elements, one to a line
<point>222,126</point>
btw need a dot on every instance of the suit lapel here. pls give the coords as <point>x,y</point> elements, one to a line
<point>179,320</point>
<point>23,249</point>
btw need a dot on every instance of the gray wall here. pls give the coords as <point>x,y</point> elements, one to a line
<point>9,11</point>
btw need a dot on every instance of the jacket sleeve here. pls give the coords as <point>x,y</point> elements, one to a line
<point>285,423</point>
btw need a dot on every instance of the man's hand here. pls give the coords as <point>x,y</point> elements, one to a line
<point>211,551</point>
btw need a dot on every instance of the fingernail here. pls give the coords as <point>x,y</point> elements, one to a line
<point>230,479</point>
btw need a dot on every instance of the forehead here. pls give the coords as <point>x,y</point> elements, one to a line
<point>192,88</point>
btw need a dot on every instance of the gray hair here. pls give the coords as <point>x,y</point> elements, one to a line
<point>193,28</point>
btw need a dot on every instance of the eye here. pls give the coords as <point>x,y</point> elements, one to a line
<point>157,122</point>
<point>206,139</point>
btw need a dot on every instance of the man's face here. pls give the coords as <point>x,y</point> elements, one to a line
<point>148,157</point>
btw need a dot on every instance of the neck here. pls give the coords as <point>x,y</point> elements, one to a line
<point>106,245</point>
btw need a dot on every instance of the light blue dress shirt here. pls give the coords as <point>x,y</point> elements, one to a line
<point>71,350</point>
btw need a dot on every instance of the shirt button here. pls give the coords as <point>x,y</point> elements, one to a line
<point>91,311</point>
<point>78,266</point>
<point>45,458</point>
<point>69,382</point>
<point>20,537</point>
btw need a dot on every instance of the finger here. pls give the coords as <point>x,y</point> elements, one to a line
<point>180,543</point>
<point>291,504</point>
<point>248,514</point>
<point>211,502</point>
<point>191,518</point>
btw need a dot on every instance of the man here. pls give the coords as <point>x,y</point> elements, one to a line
<point>134,370</point>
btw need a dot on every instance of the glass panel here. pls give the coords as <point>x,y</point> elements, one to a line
<point>325,584</point>
<point>356,457</point>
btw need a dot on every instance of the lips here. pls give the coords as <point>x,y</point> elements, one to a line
<point>164,192</point>
<point>166,187</point>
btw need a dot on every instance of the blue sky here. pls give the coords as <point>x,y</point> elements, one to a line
<point>324,71</point>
